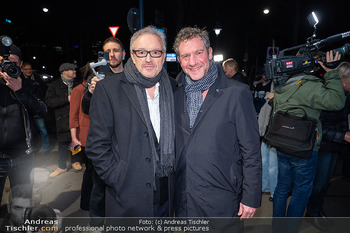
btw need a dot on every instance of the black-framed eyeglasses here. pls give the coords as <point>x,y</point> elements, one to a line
<point>144,53</point>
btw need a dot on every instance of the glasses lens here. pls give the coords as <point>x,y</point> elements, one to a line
<point>141,53</point>
<point>156,53</point>
<point>144,53</point>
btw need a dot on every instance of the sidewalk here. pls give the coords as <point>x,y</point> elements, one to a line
<point>63,192</point>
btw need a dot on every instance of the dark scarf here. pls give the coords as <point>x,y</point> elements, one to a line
<point>194,90</point>
<point>163,163</point>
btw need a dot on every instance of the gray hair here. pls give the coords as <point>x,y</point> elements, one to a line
<point>344,70</point>
<point>147,30</point>
<point>190,33</point>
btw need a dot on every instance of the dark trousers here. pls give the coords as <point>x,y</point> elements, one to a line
<point>63,151</point>
<point>18,169</point>
<point>325,168</point>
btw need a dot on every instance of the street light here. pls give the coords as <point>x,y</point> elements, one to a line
<point>313,21</point>
<point>266,11</point>
<point>45,10</point>
<point>218,58</point>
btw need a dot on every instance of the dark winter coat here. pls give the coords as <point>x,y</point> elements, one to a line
<point>334,126</point>
<point>57,98</point>
<point>12,130</point>
<point>218,163</point>
<point>120,149</point>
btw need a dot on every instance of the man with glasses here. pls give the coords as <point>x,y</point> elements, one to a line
<point>131,137</point>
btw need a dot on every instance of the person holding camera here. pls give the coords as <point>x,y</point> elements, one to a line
<point>335,135</point>
<point>116,53</point>
<point>20,213</point>
<point>296,173</point>
<point>20,203</point>
<point>19,103</point>
<point>28,73</point>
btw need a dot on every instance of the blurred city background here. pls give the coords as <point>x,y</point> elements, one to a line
<point>52,32</point>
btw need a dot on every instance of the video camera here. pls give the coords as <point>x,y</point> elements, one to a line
<point>102,60</point>
<point>284,67</point>
<point>6,65</point>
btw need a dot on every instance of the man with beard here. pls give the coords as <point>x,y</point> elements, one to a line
<point>115,48</point>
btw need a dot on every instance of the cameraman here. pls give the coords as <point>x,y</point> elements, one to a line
<point>296,174</point>
<point>18,104</point>
<point>115,48</point>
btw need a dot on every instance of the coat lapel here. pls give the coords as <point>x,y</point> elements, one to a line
<point>209,100</point>
<point>130,92</point>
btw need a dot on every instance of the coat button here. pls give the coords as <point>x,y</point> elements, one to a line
<point>148,159</point>
<point>145,133</point>
<point>148,185</point>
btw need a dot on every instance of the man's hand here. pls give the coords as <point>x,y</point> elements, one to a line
<point>13,83</point>
<point>94,80</point>
<point>246,211</point>
<point>330,58</point>
<point>347,136</point>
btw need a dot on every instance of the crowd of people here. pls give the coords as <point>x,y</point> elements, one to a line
<point>190,146</point>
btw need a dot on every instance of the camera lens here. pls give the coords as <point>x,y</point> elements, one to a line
<point>12,70</point>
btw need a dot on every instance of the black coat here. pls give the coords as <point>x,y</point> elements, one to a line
<point>119,148</point>
<point>218,163</point>
<point>334,126</point>
<point>12,129</point>
<point>57,98</point>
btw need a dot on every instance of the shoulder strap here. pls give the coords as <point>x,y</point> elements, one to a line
<point>26,122</point>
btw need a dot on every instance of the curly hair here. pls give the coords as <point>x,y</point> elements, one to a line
<point>190,33</point>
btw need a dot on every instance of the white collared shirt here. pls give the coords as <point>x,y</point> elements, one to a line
<point>153,106</point>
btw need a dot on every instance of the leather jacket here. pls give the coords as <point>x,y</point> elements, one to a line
<point>12,126</point>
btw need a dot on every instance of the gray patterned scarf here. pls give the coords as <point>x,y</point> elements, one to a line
<point>163,163</point>
<point>69,83</point>
<point>194,90</point>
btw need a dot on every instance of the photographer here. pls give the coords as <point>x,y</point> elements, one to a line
<point>335,136</point>
<point>21,213</point>
<point>296,174</point>
<point>18,104</point>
